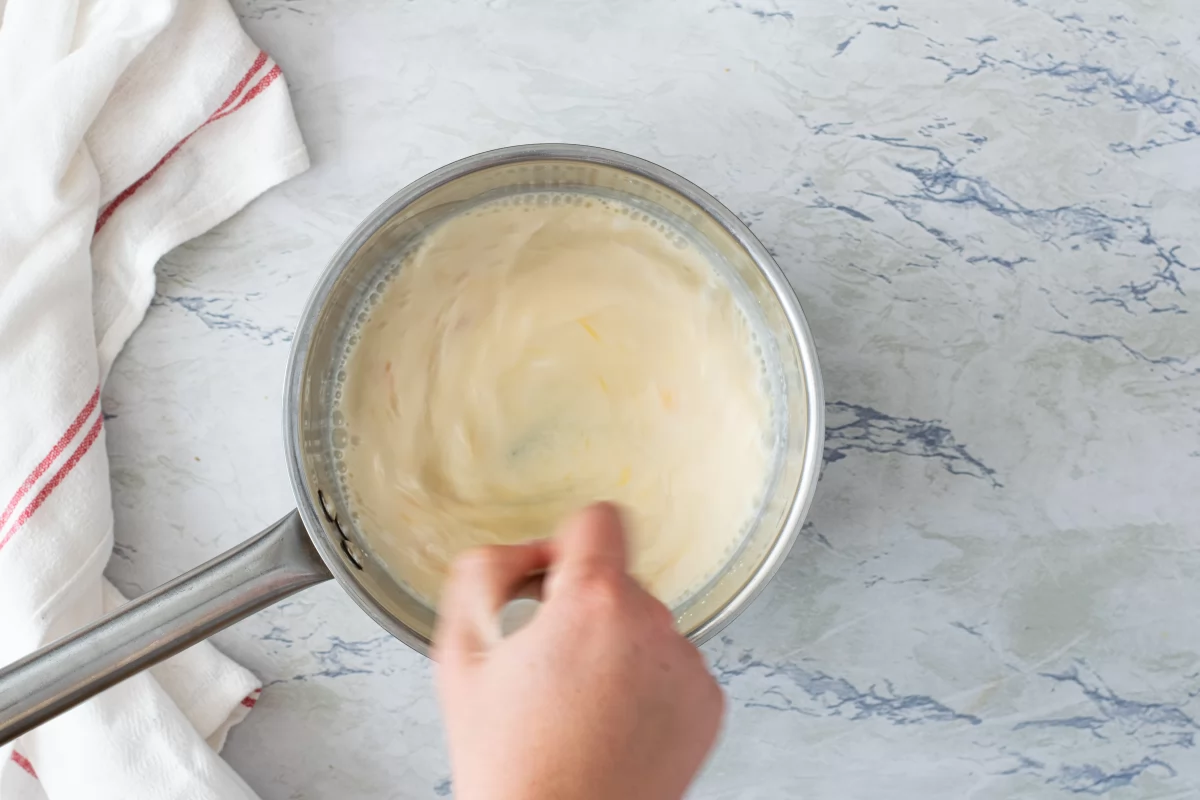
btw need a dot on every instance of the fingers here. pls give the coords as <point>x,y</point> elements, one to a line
<point>481,581</point>
<point>591,542</point>
<point>587,558</point>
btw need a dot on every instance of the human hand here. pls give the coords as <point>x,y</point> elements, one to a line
<point>597,698</point>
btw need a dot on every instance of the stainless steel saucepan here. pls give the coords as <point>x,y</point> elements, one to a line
<point>321,540</point>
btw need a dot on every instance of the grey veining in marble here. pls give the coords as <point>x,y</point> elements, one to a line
<point>990,211</point>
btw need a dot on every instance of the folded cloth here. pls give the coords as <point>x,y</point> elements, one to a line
<point>126,128</point>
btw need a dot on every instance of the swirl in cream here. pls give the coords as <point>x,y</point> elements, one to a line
<point>542,352</point>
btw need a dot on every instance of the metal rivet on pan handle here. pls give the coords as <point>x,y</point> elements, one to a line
<point>328,507</point>
<point>353,553</point>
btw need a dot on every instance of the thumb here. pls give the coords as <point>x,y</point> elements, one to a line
<point>590,543</point>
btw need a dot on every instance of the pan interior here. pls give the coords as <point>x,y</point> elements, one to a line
<point>373,255</point>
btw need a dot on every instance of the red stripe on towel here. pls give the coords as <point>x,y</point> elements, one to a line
<point>220,113</point>
<point>241,86</point>
<point>24,764</point>
<point>54,453</point>
<point>53,483</point>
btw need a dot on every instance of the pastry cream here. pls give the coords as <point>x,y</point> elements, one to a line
<point>542,352</point>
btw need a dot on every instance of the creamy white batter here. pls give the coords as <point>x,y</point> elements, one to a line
<point>540,353</point>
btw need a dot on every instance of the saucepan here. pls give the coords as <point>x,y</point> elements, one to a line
<point>321,539</point>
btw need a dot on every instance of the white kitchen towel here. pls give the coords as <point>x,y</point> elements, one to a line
<point>126,128</point>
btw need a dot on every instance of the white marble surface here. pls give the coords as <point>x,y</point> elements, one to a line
<point>991,214</point>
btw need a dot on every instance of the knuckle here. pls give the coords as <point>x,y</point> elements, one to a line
<point>600,593</point>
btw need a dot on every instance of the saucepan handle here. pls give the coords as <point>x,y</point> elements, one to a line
<point>274,564</point>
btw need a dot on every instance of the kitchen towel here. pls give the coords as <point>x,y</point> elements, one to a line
<point>126,128</point>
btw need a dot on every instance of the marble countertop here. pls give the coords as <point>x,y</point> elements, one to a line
<point>991,214</point>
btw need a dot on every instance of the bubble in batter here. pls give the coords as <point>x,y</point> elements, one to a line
<point>540,353</point>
